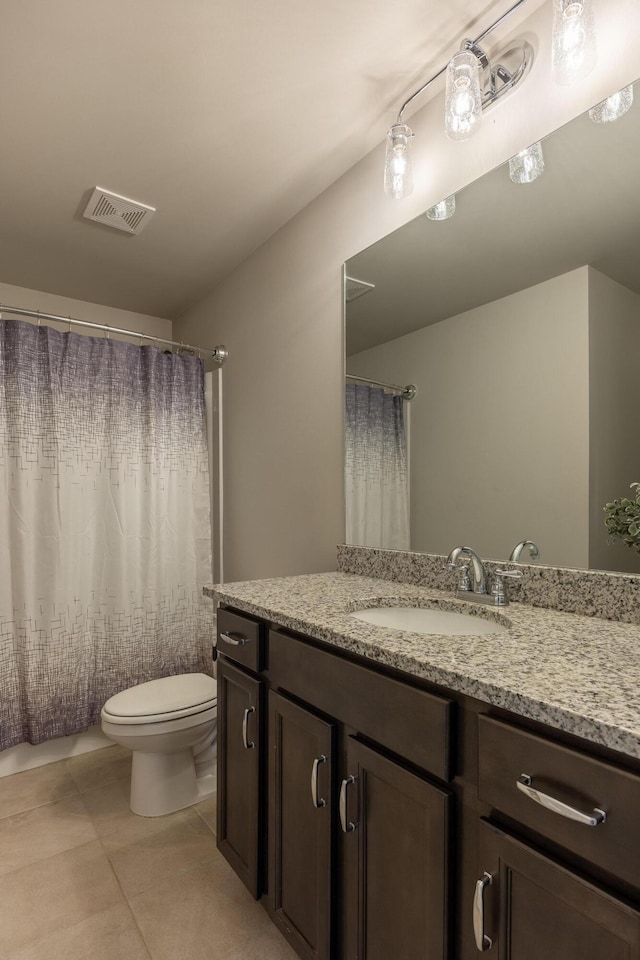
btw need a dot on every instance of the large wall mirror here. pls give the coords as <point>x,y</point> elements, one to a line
<point>518,322</point>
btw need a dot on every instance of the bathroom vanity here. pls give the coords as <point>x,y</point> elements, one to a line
<point>421,796</point>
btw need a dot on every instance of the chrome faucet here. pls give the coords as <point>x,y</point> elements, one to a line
<point>479,572</point>
<point>534,552</point>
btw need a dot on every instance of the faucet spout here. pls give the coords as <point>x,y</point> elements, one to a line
<point>479,572</point>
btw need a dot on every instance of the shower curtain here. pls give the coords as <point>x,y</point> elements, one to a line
<point>104,525</point>
<point>376,481</point>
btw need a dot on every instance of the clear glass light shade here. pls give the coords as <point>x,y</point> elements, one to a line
<point>443,210</point>
<point>527,165</point>
<point>463,101</point>
<point>398,179</point>
<point>573,46</point>
<point>613,107</point>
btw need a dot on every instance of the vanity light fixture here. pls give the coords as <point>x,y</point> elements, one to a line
<point>527,165</point>
<point>613,107</point>
<point>443,210</point>
<point>473,84</point>
<point>573,43</point>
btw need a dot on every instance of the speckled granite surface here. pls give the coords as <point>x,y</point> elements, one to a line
<point>592,593</point>
<point>576,673</point>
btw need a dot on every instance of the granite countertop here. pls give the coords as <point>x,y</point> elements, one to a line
<point>576,673</point>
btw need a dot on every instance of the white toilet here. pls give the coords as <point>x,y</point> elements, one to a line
<point>170,725</point>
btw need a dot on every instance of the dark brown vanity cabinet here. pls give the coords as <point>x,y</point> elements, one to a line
<point>396,840</point>
<point>373,832</point>
<point>301,806</point>
<point>240,763</point>
<point>529,907</point>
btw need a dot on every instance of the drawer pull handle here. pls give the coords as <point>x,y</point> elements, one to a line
<point>483,942</point>
<point>235,639</point>
<point>348,826</point>
<point>598,816</point>
<point>248,744</point>
<point>314,782</point>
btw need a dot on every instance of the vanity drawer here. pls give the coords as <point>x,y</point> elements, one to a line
<point>409,721</point>
<point>578,781</point>
<point>240,638</point>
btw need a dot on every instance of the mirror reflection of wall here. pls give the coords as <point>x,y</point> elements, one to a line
<point>523,340</point>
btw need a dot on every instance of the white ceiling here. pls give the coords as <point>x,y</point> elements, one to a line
<point>228,117</point>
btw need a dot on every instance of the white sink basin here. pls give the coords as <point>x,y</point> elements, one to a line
<point>429,620</point>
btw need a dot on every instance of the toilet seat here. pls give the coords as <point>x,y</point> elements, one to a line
<point>156,701</point>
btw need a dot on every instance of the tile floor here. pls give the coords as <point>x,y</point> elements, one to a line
<point>83,878</point>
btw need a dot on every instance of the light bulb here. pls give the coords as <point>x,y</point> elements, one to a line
<point>463,102</point>
<point>443,210</point>
<point>573,53</point>
<point>613,107</point>
<point>398,180</point>
<point>527,165</point>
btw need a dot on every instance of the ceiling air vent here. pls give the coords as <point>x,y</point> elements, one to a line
<point>116,211</point>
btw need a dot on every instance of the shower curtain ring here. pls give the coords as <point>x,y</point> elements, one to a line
<point>39,318</point>
<point>107,331</point>
<point>69,323</point>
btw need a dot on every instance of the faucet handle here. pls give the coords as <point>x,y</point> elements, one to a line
<point>499,589</point>
<point>515,574</point>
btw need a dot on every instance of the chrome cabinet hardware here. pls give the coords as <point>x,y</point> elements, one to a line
<point>347,826</point>
<point>499,590</point>
<point>248,744</point>
<point>314,782</point>
<point>524,783</point>
<point>236,639</point>
<point>483,942</point>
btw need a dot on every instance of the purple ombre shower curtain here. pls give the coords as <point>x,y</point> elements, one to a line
<point>105,537</point>
<point>376,479</point>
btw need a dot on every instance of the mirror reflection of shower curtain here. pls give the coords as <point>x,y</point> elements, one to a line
<point>376,474</point>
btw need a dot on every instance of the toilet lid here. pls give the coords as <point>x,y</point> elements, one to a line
<point>178,695</point>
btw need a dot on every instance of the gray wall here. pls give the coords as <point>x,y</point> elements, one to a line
<point>280,312</point>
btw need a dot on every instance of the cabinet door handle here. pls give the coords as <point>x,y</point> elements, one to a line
<point>598,816</point>
<point>483,942</point>
<point>347,826</point>
<point>314,782</point>
<point>235,639</point>
<point>248,744</point>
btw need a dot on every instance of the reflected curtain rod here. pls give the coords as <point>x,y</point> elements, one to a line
<point>219,354</point>
<point>407,393</point>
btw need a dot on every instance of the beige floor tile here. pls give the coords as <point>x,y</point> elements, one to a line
<point>54,894</point>
<point>202,914</point>
<point>269,946</point>
<point>43,832</point>
<point>109,808</point>
<point>207,810</point>
<point>32,788</point>
<point>91,770</point>
<point>148,851</point>
<point>111,935</point>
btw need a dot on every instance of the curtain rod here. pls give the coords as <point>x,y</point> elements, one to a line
<point>219,354</point>
<point>407,393</point>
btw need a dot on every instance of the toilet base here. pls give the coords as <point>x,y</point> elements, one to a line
<point>163,783</point>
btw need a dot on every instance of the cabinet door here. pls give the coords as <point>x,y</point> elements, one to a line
<point>533,908</point>
<point>301,804</point>
<point>397,827</point>
<point>240,754</point>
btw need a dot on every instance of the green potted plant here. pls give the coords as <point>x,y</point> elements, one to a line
<point>622,519</point>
